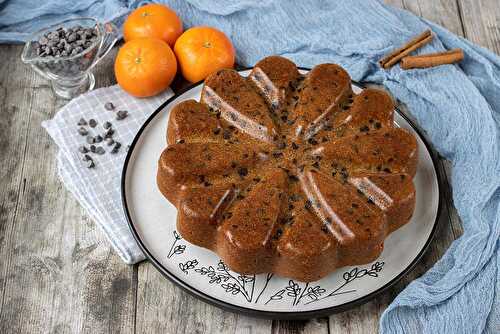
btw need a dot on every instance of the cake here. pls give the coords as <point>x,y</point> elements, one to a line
<point>288,173</point>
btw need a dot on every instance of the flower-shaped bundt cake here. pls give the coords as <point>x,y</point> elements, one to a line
<point>291,174</point>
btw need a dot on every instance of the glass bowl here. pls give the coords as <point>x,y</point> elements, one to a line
<point>71,75</point>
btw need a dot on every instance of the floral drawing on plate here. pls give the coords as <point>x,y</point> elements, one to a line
<point>255,288</point>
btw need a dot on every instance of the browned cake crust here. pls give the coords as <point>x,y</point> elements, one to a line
<point>286,173</point>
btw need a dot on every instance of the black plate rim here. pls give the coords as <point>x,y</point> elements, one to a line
<point>301,315</point>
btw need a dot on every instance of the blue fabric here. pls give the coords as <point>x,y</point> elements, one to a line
<point>458,106</point>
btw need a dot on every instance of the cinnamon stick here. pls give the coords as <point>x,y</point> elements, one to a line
<point>398,54</point>
<point>432,59</point>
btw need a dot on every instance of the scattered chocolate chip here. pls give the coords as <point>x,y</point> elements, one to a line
<point>82,122</point>
<point>92,123</point>
<point>107,125</point>
<point>109,106</point>
<point>92,148</point>
<point>116,148</point>
<point>109,141</point>
<point>90,139</point>
<point>82,131</point>
<point>98,139</point>
<point>121,114</point>
<point>90,163</point>
<point>109,133</point>
<point>86,157</point>
<point>99,150</point>
<point>83,149</point>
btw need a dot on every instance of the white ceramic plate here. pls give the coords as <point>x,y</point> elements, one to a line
<point>152,220</point>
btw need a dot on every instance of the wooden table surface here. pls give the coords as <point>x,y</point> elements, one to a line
<point>58,274</point>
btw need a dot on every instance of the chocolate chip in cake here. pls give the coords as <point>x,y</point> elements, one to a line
<point>364,128</point>
<point>242,171</point>
<point>82,131</point>
<point>82,122</point>
<point>92,123</point>
<point>295,146</point>
<point>226,134</point>
<point>378,125</point>
<point>109,106</point>
<point>121,114</point>
<point>277,154</point>
<point>312,141</point>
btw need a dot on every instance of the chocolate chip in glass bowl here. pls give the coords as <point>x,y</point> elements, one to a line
<point>65,42</point>
<point>121,114</point>
<point>92,123</point>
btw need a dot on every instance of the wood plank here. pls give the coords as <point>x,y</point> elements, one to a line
<point>313,326</point>
<point>165,308</point>
<point>58,274</point>
<point>481,21</point>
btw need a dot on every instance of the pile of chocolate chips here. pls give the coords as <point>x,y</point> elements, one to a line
<point>65,42</point>
<point>94,145</point>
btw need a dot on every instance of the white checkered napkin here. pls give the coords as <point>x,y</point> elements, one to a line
<point>98,189</point>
